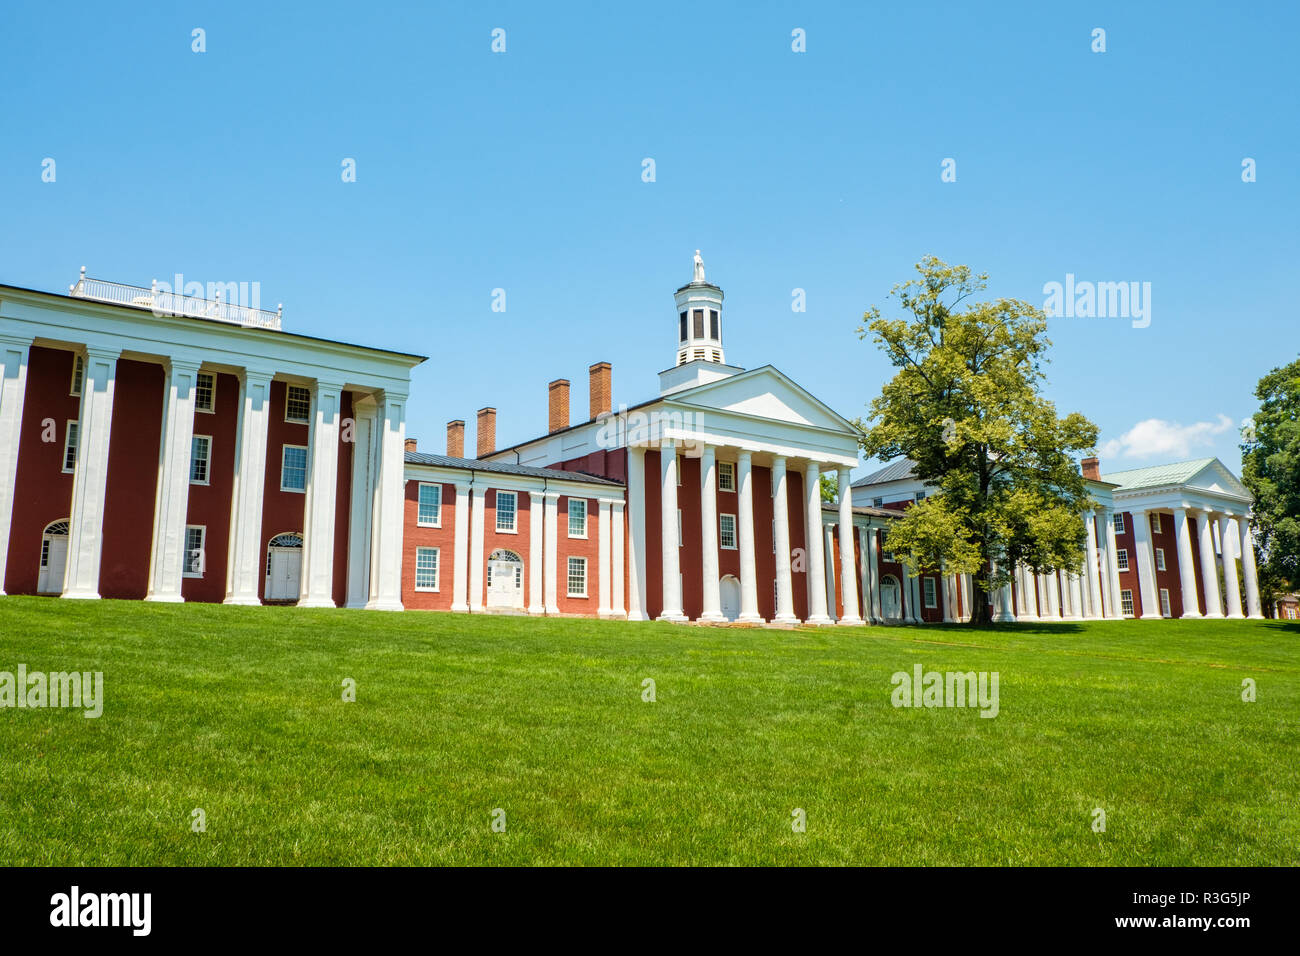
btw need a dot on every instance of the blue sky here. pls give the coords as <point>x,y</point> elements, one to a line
<point>817,170</point>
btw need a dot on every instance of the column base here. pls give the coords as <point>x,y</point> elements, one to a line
<point>819,620</point>
<point>711,617</point>
<point>638,616</point>
<point>316,602</point>
<point>245,600</point>
<point>674,617</point>
<point>786,619</point>
<point>750,619</point>
<point>851,621</point>
<point>384,605</point>
<point>1191,616</point>
<point>164,599</point>
<point>354,605</point>
<point>535,610</point>
<point>1152,617</point>
<point>1026,618</point>
<point>1213,616</point>
<point>1236,617</point>
<point>1249,617</point>
<point>80,595</point>
<point>611,615</point>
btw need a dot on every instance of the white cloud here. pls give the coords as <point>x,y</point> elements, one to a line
<point>1157,438</point>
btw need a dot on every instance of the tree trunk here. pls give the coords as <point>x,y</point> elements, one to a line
<point>981,613</point>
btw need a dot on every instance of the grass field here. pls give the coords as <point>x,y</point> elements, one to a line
<point>239,711</point>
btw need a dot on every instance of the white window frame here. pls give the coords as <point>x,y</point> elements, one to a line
<point>212,393</point>
<point>419,505</point>
<point>1166,609</point>
<point>207,459</point>
<point>1118,521</point>
<point>1155,522</point>
<point>877,502</point>
<point>728,469</point>
<point>930,592</point>
<point>1126,605</point>
<point>1160,559</point>
<point>78,374</point>
<point>513,528</point>
<point>568,577</point>
<point>71,428</point>
<point>437,569</point>
<point>574,500</point>
<point>1121,559</point>
<point>722,532</point>
<point>202,529</point>
<point>288,393</point>
<point>306,469</point>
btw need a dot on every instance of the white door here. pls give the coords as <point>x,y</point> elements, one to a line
<point>729,588</point>
<point>505,583</point>
<point>54,564</point>
<point>891,607</point>
<point>283,583</point>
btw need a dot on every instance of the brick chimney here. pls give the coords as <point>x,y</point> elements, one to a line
<point>412,445</point>
<point>487,431</point>
<point>559,417</point>
<point>1091,468</point>
<point>601,376</point>
<point>456,439</point>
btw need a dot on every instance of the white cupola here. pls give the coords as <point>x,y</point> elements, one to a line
<point>700,357</point>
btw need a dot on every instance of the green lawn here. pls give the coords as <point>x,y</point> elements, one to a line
<point>238,711</point>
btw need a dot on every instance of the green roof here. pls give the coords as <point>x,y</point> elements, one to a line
<point>1178,473</point>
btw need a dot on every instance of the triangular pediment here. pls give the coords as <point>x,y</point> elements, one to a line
<point>1216,477</point>
<point>765,393</point>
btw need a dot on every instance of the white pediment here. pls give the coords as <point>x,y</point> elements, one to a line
<point>768,394</point>
<point>1216,478</point>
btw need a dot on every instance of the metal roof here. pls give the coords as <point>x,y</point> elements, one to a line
<point>1177,473</point>
<point>506,468</point>
<point>894,471</point>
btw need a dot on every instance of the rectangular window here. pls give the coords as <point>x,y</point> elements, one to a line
<point>293,468</point>
<point>877,502</point>
<point>193,558</point>
<point>577,577</point>
<point>577,517</point>
<point>429,508</point>
<point>1121,558</point>
<point>713,324</point>
<point>426,569</point>
<point>697,316</point>
<point>726,476</point>
<point>1119,522</point>
<point>1160,559</point>
<point>919,496</point>
<point>927,585</point>
<point>205,392</point>
<point>70,448</point>
<point>886,556</point>
<point>727,532</point>
<point>1126,602</point>
<point>200,459</point>
<point>1155,523</point>
<point>507,505</point>
<point>1165,610</point>
<point>297,404</point>
<point>78,375</point>
<point>682,330</point>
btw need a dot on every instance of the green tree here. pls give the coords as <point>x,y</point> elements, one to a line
<point>965,405</point>
<point>1270,457</point>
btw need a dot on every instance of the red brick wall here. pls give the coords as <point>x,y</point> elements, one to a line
<point>282,511</point>
<point>210,504</point>
<point>343,504</point>
<point>443,538</point>
<point>135,436</point>
<point>1128,580</point>
<point>578,548</point>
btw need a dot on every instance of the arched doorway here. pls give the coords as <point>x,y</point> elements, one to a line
<point>284,567</point>
<point>54,558</point>
<point>505,580</point>
<point>891,598</point>
<point>729,590</point>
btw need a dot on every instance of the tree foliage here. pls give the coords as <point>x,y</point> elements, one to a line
<point>966,406</point>
<point>1270,455</point>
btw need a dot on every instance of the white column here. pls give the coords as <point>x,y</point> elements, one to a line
<point>317,579</point>
<point>604,587</point>
<point>968,595</point>
<point>1028,594</point>
<point>1146,568</point>
<point>828,549</point>
<point>1096,607</point>
<point>908,593</point>
<point>1076,595</point>
<point>945,584</point>
<point>167,558</point>
<point>848,575</point>
<point>90,480</point>
<point>536,540</point>
<point>672,582</point>
<point>389,519</point>
<point>361,506</point>
<point>619,610</point>
<point>781,517</point>
<point>870,546</point>
<point>1112,567</point>
<point>460,549</point>
<point>551,536</point>
<point>1209,566</point>
<point>636,556</point>
<point>711,606</point>
<point>14,353</point>
<point>1002,612</point>
<point>745,539</point>
<point>246,556</point>
<point>1228,541</point>
<point>1051,604</point>
<point>816,576</point>
<point>477,530</point>
<point>1248,571</point>
<point>1186,569</point>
